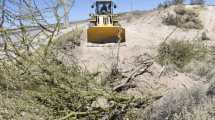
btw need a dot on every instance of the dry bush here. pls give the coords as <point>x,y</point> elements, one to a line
<point>204,111</point>
<point>203,64</point>
<point>202,107</point>
<point>72,39</point>
<point>211,89</point>
<point>179,53</point>
<point>182,55</point>
<point>202,67</point>
<point>211,73</point>
<point>189,104</point>
<point>194,104</point>
<point>183,18</point>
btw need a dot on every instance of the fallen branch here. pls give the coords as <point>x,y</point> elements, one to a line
<point>138,71</point>
<point>162,71</point>
<point>170,34</point>
<point>126,102</point>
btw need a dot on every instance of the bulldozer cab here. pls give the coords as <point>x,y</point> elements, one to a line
<point>103,25</point>
<point>104,7</point>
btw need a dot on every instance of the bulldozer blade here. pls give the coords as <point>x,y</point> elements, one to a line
<point>103,35</point>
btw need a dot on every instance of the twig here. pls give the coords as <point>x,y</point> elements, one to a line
<point>170,34</point>
<point>162,71</point>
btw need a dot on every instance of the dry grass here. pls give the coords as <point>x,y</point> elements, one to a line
<point>188,104</point>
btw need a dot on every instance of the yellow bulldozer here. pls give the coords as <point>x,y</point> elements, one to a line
<point>103,25</point>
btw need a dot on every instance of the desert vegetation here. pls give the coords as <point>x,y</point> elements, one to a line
<point>37,84</point>
<point>59,91</point>
<point>195,103</point>
<point>180,53</point>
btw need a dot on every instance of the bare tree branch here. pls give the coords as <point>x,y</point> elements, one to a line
<point>2,11</point>
<point>67,5</point>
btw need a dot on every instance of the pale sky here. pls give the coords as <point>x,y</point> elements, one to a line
<point>82,8</point>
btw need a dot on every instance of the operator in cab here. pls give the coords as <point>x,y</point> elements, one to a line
<point>104,8</point>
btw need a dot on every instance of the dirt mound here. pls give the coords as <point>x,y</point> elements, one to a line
<point>144,32</point>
